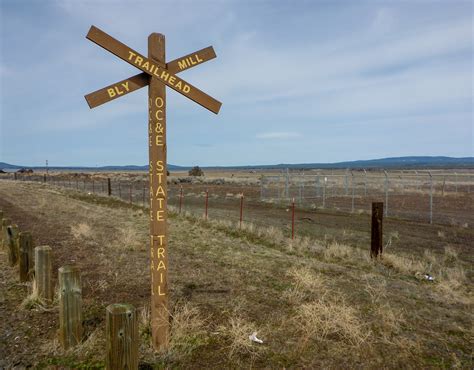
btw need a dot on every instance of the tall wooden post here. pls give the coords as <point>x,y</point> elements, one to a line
<point>158,198</point>
<point>376,231</point>
<point>70,306</point>
<point>26,264</point>
<point>109,187</point>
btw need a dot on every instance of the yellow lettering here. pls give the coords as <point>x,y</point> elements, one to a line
<point>161,265</point>
<point>160,191</point>
<point>159,102</point>
<point>159,291</point>
<point>146,65</point>
<point>171,80</point>
<point>160,200</point>
<point>179,85</point>
<point>119,92</point>
<point>161,252</point>
<point>164,75</point>
<point>182,64</point>
<point>131,54</point>
<point>161,238</point>
<point>198,59</point>
<point>186,88</point>
<point>125,85</point>
<point>191,61</point>
<point>159,216</point>
<point>159,141</point>
<point>157,116</point>
<point>138,60</point>
<point>111,92</point>
<point>160,166</point>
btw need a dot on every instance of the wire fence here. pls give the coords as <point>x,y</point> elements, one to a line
<point>425,197</point>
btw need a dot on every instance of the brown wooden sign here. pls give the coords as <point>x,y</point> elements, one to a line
<point>152,68</point>
<point>140,80</point>
<point>157,75</point>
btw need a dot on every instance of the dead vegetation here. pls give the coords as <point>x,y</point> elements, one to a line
<point>315,302</point>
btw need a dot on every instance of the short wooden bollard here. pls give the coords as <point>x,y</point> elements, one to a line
<point>43,272</point>
<point>12,243</point>
<point>5,223</point>
<point>70,306</point>
<point>376,246</point>
<point>121,330</point>
<point>26,264</point>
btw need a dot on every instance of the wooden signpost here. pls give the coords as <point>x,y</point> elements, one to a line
<point>156,74</point>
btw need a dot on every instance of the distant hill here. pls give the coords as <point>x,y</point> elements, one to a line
<point>396,162</point>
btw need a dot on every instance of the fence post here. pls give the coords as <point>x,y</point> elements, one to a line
<point>26,265</point>
<point>84,185</point>
<point>241,208</point>
<point>431,197</point>
<point>207,203</point>
<point>293,219</point>
<point>109,187</point>
<point>386,192</point>
<point>365,182</point>
<point>12,243</point>
<point>353,191</point>
<point>5,223</point>
<point>44,178</point>
<point>70,306</point>
<point>43,272</point>
<point>122,337</point>
<point>14,175</point>
<point>180,199</point>
<point>376,241</point>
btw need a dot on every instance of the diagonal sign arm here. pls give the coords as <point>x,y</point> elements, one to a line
<point>153,69</point>
<point>140,80</point>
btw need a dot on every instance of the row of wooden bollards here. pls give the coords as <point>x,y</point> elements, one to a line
<point>35,265</point>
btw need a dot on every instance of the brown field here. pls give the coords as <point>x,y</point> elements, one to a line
<point>316,301</point>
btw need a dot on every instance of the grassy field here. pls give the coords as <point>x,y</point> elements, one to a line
<point>315,302</point>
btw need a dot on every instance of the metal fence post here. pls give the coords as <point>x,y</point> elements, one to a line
<point>353,191</point>
<point>431,197</point>
<point>365,182</point>
<point>324,191</point>
<point>386,192</point>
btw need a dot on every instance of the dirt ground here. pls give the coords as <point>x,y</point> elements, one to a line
<point>316,302</point>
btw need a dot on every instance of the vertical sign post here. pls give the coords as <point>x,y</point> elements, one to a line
<point>376,230</point>
<point>158,196</point>
<point>156,74</point>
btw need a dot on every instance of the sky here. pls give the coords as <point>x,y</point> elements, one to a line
<point>300,81</point>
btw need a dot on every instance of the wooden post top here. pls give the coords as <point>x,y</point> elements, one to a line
<point>43,248</point>
<point>120,308</point>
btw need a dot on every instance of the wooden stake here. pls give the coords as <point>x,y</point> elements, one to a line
<point>121,330</point>
<point>26,264</point>
<point>376,247</point>
<point>5,223</point>
<point>43,272</point>
<point>12,243</point>
<point>158,199</point>
<point>109,187</point>
<point>70,306</point>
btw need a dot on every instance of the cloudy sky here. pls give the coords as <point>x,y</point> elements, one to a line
<point>300,81</point>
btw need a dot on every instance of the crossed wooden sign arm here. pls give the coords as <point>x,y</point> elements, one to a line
<point>165,73</point>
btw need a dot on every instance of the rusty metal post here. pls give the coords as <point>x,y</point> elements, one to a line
<point>376,230</point>
<point>241,208</point>
<point>293,218</point>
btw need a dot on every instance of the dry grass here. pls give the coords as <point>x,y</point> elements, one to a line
<point>402,264</point>
<point>236,333</point>
<point>330,320</point>
<point>81,231</point>
<point>306,284</point>
<point>33,300</point>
